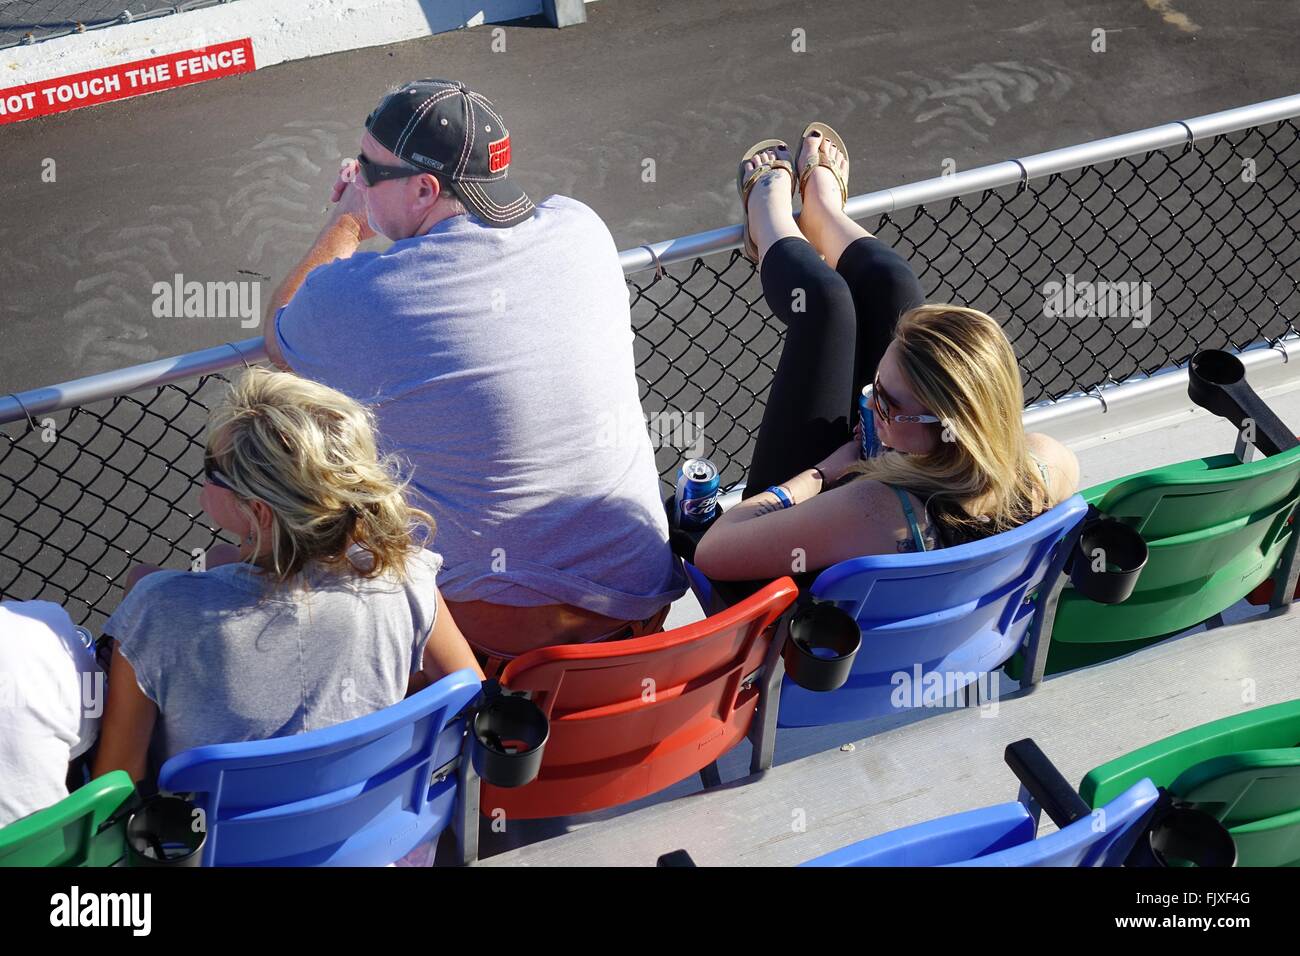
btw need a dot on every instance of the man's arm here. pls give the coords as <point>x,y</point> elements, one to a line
<point>345,230</point>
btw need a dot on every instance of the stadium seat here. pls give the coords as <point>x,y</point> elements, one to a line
<point>73,831</point>
<point>952,615</point>
<point>1263,593</point>
<point>361,793</point>
<point>629,718</point>
<point>1003,835</point>
<point>1244,770</point>
<point>1215,528</point>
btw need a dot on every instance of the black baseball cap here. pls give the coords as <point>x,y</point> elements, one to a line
<point>451,131</point>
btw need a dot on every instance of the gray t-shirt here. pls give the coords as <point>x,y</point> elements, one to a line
<point>499,363</point>
<point>226,657</point>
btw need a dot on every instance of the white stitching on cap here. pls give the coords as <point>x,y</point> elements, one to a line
<point>522,202</point>
<point>469,140</point>
<point>416,117</point>
<point>490,111</point>
<point>475,187</point>
<point>492,210</point>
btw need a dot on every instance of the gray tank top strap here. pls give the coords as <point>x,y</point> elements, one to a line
<point>1042,469</point>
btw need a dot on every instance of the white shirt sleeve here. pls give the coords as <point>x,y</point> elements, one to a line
<point>51,699</point>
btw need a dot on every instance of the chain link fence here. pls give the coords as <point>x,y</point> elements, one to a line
<point>31,21</point>
<point>1211,229</point>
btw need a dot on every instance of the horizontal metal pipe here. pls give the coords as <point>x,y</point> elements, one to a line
<point>123,381</point>
<point>1141,400</point>
<point>1156,396</point>
<point>996,175</point>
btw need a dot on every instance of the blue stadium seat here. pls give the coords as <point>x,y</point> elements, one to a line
<point>941,616</point>
<point>1003,835</point>
<point>361,793</point>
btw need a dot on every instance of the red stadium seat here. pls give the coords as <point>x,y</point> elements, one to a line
<point>629,718</point>
<point>1263,593</point>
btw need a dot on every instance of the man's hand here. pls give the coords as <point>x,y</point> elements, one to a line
<point>347,227</point>
<point>349,203</point>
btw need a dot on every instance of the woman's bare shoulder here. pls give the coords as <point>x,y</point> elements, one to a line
<point>864,493</point>
<point>1061,462</point>
<point>876,509</point>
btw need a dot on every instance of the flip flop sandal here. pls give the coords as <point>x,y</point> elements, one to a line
<point>816,160</point>
<point>745,183</point>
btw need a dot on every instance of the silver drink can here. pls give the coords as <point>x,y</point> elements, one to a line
<point>697,493</point>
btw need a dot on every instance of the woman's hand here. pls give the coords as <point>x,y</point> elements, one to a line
<point>834,465</point>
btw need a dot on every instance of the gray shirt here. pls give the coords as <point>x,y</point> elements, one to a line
<point>499,363</point>
<point>226,657</point>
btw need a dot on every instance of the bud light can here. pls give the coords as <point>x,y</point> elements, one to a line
<point>697,493</point>
<point>870,440</point>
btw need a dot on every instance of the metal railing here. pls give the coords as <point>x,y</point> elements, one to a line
<point>102,472</point>
<point>24,22</point>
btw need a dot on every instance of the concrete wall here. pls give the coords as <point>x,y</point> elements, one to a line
<point>280,30</point>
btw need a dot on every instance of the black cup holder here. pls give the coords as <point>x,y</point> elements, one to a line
<point>683,541</point>
<point>821,646</point>
<point>161,832</point>
<point>1124,553</point>
<point>510,734</point>
<point>1216,381</point>
<point>1187,836</point>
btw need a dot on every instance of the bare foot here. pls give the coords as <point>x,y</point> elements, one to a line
<point>770,205</point>
<point>821,193</point>
<point>822,219</point>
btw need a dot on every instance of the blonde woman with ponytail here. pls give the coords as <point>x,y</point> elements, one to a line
<point>956,465</point>
<point>326,611</point>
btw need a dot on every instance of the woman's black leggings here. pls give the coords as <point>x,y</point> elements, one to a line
<point>838,324</point>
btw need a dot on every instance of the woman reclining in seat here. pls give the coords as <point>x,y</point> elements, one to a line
<point>957,465</point>
<point>327,611</point>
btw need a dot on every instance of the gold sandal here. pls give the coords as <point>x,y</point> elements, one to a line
<point>745,183</point>
<point>816,160</point>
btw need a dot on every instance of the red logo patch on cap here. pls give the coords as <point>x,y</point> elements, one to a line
<point>499,154</point>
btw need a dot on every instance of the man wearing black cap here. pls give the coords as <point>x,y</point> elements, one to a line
<point>493,340</point>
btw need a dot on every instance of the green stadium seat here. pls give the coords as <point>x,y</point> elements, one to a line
<point>1244,770</point>
<point>1216,528</point>
<point>73,831</point>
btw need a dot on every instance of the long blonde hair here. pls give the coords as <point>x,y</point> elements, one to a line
<point>309,453</point>
<point>962,369</point>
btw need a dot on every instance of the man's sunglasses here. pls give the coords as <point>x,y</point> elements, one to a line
<point>374,173</point>
<point>884,409</point>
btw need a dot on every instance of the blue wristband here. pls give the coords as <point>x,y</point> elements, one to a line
<point>782,495</point>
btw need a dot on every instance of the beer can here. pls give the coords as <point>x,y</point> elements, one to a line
<point>870,440</point>
<point>697,493</point>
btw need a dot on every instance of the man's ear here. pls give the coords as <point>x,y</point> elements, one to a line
<point>430,189</point>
